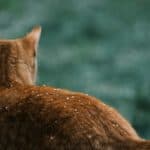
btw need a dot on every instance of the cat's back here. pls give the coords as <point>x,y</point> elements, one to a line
<point>55,117</point>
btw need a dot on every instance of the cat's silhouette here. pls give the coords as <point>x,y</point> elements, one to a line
<point>46,118</point>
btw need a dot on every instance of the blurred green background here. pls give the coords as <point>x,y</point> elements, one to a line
<point>100,47</point>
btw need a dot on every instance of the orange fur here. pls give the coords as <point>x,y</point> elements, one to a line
<point>45,118</point>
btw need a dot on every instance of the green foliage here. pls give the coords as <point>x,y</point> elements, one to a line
<point>141,113</point>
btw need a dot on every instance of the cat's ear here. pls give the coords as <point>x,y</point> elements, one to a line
<point>34,36</point>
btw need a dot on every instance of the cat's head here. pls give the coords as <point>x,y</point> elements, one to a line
<point>18,59</point>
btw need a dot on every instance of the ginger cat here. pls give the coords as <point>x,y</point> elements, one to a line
<point>45,118</point>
